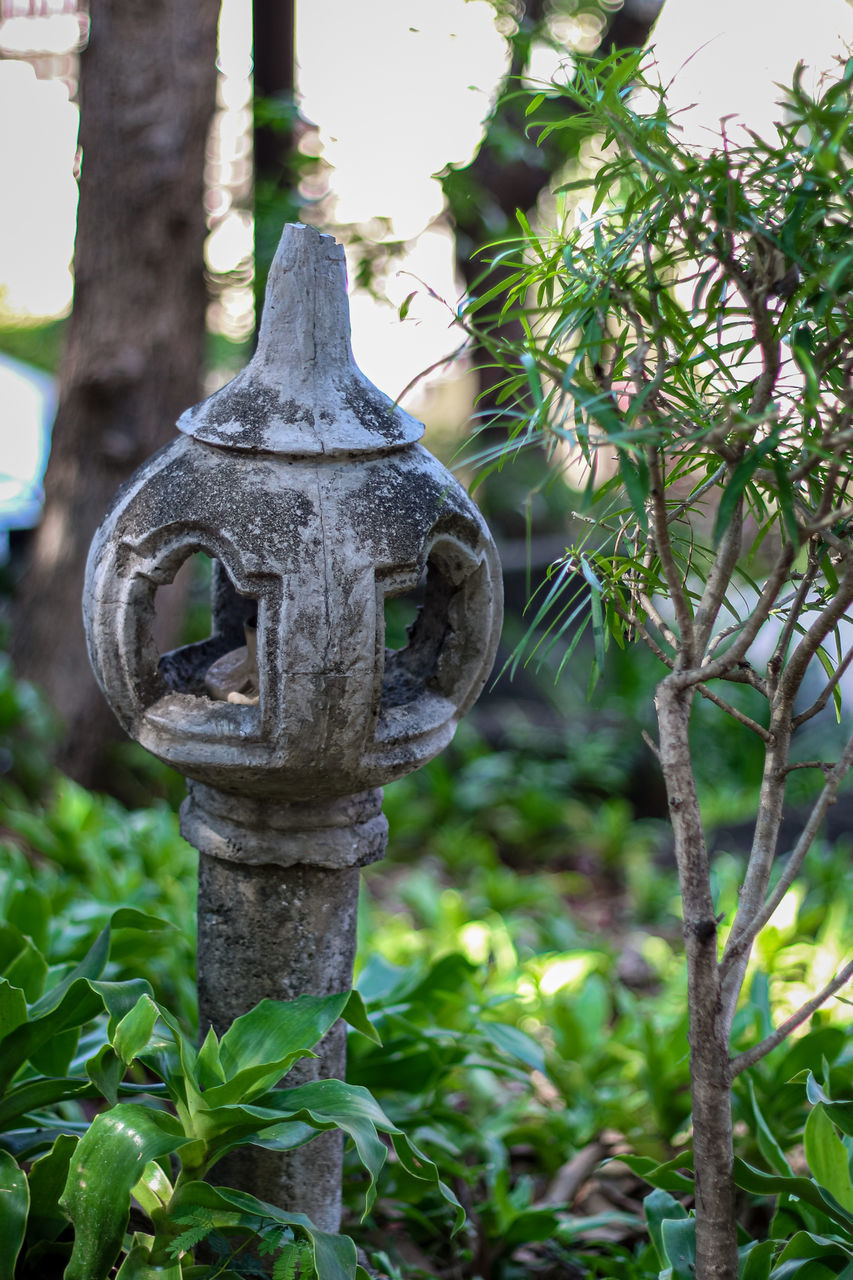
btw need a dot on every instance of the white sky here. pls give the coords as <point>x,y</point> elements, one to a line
<point>398,88</point>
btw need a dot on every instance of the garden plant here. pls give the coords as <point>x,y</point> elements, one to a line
<point>686,336</point>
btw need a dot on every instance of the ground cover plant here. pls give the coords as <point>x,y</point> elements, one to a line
<point>689,338</point>
<point>519,1050</point>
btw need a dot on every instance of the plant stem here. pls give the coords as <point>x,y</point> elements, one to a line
<point>716,1230</point>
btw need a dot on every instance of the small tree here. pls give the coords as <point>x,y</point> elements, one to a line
<point>691,339</point>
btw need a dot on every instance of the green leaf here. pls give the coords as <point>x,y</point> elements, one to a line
<point>334,1256</point>
<point>153,1190</point>
<point>106,1165</point>
<point>47,1179</point>
<point>659,1206</point>
<point>134,1030</point>
<point>137,1266</point>
<point>355,1014</point>
<point>667,1176</point>
<point>106,1071</point>
<point>14,1204</point>
<point>261,1046</point>
<point>516,1044</point>
<point>679,1246</point>
<point>767,1144</point>
<point>33,1095</point>
<point>769,1184</point>
<point>755,1260</point>
<point>13,1006</point>
<point>827,1156</point>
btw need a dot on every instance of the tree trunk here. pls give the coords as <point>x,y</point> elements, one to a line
<point>710,1075</point>
<point>134,353</point>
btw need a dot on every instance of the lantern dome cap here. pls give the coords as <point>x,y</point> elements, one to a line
<point>302,394</point>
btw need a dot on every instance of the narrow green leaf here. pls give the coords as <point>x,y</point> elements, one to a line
<point>635,487</point>
<point>14,1204</point>
<point>767,1144</point>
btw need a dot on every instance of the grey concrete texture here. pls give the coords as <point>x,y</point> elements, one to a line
<point>276,933</point>
<point>310,491</point>
<point>314,541</point>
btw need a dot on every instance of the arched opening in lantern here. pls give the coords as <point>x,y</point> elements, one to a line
<point>219,657</point>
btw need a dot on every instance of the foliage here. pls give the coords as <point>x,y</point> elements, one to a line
<point>165,1113</point>
<point>688,342</point>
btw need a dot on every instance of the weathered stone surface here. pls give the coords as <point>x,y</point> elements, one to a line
<point>310,492</point>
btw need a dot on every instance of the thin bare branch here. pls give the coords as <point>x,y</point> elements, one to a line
<point>711,483</point>
<point>650,743</point>
<point>795,609</point>
<point>718,580</point>
<point>737,650</point>
<point>795,667</point>
<point>743,934</point>
<point>663,546</point>
<point>825,766</point>
<point>749,1058</point>
<point>829,688</point>
<point>734,712</point>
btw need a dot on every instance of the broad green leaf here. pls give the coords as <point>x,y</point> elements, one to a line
<point>13,1006</point>
<point>106,1165</point>
<point>769,1184</point>
<point>827,1156</point>
<point>679,1246</point>
<point>47,1179</point>
<point>261,1046</point>
<point>33,1095</point>
<point>516,1044</point>
<point>28,970</point>
<point>355,1015</point>
<point>153,1190</point>
<point>137,1266</point>
<point>658,1207</point>
<point>334,1256</point>
<point>755,1260</point>
<point>14,1204</point>
<point>91,966</point>
<point>54,1057</point>
<point>106,1071</point>
<point>134,1030</point>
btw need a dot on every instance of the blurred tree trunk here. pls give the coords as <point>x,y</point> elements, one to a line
<point>134,352</point>
<point>509,173</point>
<point>275,128</point>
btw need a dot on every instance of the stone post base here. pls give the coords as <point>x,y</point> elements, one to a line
<point>277,904</point>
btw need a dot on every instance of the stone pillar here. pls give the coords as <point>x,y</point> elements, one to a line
<point>277,913</point>
<point>308,488</point>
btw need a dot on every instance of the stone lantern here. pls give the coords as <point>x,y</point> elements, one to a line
<point>307,488</point>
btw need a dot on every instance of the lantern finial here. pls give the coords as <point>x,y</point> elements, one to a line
<point>302,394</point>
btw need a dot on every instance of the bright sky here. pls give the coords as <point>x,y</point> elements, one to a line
<point>399,91</point>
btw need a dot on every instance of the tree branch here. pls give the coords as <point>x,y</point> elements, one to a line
<point>741,938</point>
<point>831,684</point>
<point>683,617</point>
<point>718,580</point>
<point>745,720</point>
<point>749,1058</point>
